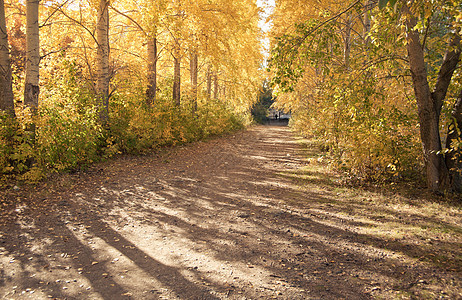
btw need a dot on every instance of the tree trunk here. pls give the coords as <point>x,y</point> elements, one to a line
<point>177,29</point>
<point>223,89</point>
<point>152,71</point>
<point>177,78</point>
<point>31,89</point>
<point>209,81</point>
<point>6,90</point>
<point>215,86</point>
<point>102,61</point>
<point>454,156</point>
<point>448,66</point>
<point>436,170</point>
<point>369,5</point>
<point>193,72</point>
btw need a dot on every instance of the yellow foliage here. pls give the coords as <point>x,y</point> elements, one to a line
<point>352,95</point>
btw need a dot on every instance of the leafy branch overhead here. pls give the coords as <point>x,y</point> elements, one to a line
<point>374,84</point>
<point>106,77</point>
<point>376,81</point>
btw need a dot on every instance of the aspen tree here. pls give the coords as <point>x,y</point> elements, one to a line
<point>209,81</point>
<point>102,60</point>
<point>177,77</point>
<point>347,40</point>
<point>6,91</point>
<point>152,70</point>
<point>176,52</point>
<point>194,61</point>
<point>433,46</point>
<point>157,7</point>
<point>215,86</point>
<point>31,88</point>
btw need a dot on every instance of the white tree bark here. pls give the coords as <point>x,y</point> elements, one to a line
<point>102,59</point>
<point>6,91</point>
<point>31,89</point>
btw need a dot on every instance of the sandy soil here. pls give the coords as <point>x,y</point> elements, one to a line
<point>219,219</point>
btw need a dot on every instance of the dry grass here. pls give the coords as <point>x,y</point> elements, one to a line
<point>413,225</point>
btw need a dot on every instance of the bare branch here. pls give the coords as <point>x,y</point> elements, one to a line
<point>52,14</point>
<point>327,21</point>
<point>80,24</point>
<point>130,18</point>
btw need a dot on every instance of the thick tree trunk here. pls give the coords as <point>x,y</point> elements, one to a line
<point>31,89</point>
<point>436,170</point>
<point>193,71</point>
<point>177,79</point>
<point>102,61</point>
<point>152,71</point>
<point>454,157</point>
<point>6,91</point>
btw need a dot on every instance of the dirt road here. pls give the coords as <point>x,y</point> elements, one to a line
<point>222,219</point>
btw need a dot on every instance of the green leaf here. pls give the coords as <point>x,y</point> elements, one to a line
<point>383,3</point>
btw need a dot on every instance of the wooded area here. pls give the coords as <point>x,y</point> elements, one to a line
<point>120,77</point>
<point>116,184</point>
<point>377,82</point>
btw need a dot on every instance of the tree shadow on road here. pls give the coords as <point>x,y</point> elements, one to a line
<point>229,218</point>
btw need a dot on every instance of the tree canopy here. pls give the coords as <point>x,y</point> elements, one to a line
<point>376,82</point>
<point>92,78</point>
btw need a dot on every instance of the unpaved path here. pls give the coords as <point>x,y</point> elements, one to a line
<point>212,220</point>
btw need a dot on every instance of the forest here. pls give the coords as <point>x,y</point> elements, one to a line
<point>377,83</point>
<point>83,80</point>
<point>145,151</point>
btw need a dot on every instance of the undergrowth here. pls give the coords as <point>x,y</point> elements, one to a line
<point>68,137</point>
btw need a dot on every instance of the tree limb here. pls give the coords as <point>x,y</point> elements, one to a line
<point>79,23</point>
<point>326,22</point>
<point>450,61</point>
<point>130,18</point>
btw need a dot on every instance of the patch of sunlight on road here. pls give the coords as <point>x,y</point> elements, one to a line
<point>171,243</point>
<point>272,184</point>
<point>259,157</point>
<point>56,271</point>
<point>170,246</point>
<point>120,268</point>
<point>368,253</point>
